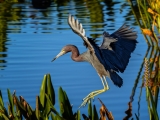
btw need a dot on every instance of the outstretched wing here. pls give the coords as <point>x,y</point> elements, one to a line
<point>78,29</point>
<point>117,47</point>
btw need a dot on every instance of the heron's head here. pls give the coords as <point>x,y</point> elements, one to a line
<point>64,50</point>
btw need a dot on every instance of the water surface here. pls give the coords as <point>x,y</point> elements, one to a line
<point>30,38</point>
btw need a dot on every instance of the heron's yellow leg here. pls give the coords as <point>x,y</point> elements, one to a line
<point>94,93</point>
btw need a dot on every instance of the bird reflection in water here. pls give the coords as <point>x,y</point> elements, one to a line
<point>110,57</point>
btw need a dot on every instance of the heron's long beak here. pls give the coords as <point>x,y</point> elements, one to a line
<point>60,54</point>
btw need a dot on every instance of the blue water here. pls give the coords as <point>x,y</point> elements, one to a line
<point>34,37</point>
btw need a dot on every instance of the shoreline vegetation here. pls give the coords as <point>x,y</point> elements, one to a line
<point>148,19</point>
<point>19,108</point>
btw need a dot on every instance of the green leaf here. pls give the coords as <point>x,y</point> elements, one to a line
<point>37,111</point>
<point>61,100</point>
<point>50,90</point>
<point>85,117</point>
<point>58,118</point>
<point>5,117</point>
<point>51,106</point>
<point>67,104</point>
<point>156,96</point>
<point>1,100</point>
<point>43,90</point>
<point>47,109</point>
<point>150,113</point>
<point>65,107</point>
<point>52,116</point>
<point>3,111</point>
<point>2,108</point>
<point>29,110</point>
<point>46,118</point>
<point>154,110</point>
<point>95,114</point>
<point>19,115</point>
<point>11,103</point>
<point>90,109</point>
<point>20,107</point>
<point>78,115</point>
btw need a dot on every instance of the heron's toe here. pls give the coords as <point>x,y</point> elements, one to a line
<point>89,96</point>
<point>84,102</point>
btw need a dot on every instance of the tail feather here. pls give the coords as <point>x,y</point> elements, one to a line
<point>117,80</point>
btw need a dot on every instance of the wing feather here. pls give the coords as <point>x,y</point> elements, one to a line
<point>118,52</point>
<point>78,29</point>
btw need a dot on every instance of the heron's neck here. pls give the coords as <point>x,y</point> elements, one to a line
<point>75,53</point>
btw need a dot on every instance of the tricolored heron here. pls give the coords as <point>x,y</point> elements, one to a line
<point>110,57</point>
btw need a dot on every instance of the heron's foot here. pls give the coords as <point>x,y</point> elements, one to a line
<point>91,96</point>
<point>85,102</point>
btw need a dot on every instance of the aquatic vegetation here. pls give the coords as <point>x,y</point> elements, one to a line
<point>19,109</point>
<point>147,14</point>
<point>151,82</point>
<point>148,18</point>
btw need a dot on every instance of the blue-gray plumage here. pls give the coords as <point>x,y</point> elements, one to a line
<point>110,57</point>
